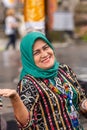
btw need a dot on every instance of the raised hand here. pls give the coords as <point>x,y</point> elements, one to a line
<point>8,93</point>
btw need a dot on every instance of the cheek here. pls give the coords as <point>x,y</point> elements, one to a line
<point>53,56</point>
<point>52,53</point>
<point>36,59</point>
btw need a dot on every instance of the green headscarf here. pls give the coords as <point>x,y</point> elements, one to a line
<point>27,59</point>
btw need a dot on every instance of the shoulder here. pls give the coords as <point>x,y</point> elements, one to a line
<point>66,69</point>
<point>11,18</point>
<point>26,84</point>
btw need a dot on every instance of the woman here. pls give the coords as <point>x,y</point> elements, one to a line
<point>11,25</point>
<point>48,96</point>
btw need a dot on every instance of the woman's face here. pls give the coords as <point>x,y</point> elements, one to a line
<point>43,55</point>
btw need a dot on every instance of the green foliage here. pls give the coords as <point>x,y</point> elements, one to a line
<point>84,37</point>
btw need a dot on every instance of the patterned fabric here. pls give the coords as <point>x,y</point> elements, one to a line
<point>49,110</point>
<point>1,105</point>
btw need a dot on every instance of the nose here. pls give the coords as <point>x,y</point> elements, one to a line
<point>43,54</point>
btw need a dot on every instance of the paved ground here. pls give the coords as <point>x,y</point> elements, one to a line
<point>74,54</point>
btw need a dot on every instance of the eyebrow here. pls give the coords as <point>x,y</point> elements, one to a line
<point>40,48</point>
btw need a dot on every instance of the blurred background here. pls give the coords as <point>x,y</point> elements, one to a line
<point>64,22</point>
<point>63,19</point>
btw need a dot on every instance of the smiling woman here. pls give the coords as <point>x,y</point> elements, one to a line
<point>48,92</point>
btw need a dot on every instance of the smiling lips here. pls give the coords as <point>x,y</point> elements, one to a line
<point>46,59</point>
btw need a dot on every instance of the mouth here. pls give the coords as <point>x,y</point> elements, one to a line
<point>46,60</point>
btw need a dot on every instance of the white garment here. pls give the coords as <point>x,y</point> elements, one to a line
<point>9,21</point>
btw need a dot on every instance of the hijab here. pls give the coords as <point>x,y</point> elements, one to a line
<point>27,59</point>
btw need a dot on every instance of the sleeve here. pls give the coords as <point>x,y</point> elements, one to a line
<point>29,95</point>
<point>80,91</point>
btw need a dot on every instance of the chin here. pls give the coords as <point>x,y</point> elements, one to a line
<point>47,67</point>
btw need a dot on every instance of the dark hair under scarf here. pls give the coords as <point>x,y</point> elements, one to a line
<point>27,59</point>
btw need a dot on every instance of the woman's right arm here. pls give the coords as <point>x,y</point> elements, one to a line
<point>18,106</point>
<point>23,101</point>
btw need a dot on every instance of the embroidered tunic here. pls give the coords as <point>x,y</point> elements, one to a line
<point>49,110</point>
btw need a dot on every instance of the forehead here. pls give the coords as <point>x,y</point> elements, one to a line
<point>38,44</point>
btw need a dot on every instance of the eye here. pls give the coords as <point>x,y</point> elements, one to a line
<point>36,53</point>
<point>45,47</point>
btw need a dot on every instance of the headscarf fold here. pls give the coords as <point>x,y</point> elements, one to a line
<point>27,59</point>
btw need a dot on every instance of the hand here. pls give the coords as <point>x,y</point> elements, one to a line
<point>8,93</point>
<point>84,105</point>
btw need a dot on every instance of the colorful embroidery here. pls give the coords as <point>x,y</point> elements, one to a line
<point>47,105</point>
